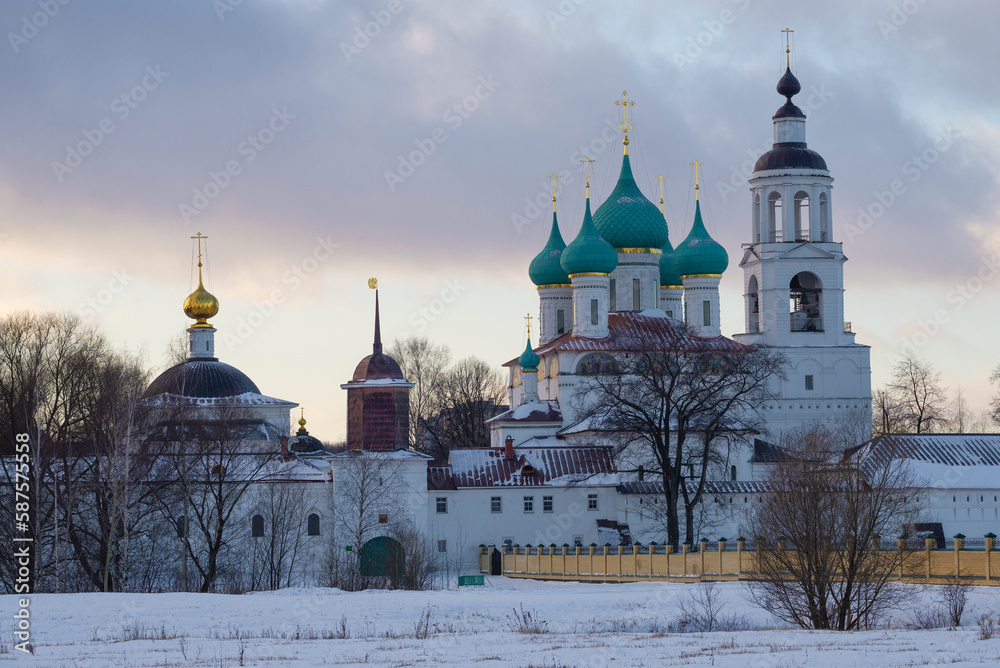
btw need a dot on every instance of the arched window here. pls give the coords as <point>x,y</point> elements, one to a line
<point>753,305</point>
<point>312,525</point>
<point>596,363</point>
<point>180,526</point>
<point>801,211</point>
<point>257,526</point>
<point>825,234</point>
<point>774,217</point>
<point>756,218</point>
<point>805,293</point>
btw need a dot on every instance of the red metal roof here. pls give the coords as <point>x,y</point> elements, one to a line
<point>625,324</point>
<point>487,467</point>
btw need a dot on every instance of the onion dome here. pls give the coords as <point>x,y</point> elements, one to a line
<point>528,360</point>
<point>589,253</point>
<point>790,154</point>
<point>378,365</point>
<point>669,278</point>
<point>201,305</point>
<point>545,268</point>
<point>202,379</point>
<point>700,254</point>
<point>626,219</point>
<point>302,441</point>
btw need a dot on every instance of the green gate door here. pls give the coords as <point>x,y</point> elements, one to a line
<point>383,556</point>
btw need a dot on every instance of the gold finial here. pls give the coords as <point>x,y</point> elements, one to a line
<point>200,305</point>
<point>373,284</point>
<point>586,162</point>
<point>553,178</point>
<point>788,47</point>
<point>302,418</point>
<point>527,320</point>
<point>696,186</point>
<point>661,179</point>
<point>625,126</point>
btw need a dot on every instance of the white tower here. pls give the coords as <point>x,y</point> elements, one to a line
<point>555,292</point>
<point>794,283</point>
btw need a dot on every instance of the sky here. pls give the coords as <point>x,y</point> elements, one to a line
<point>318,144</point>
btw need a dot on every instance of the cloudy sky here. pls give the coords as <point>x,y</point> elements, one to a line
<point>319,143</point>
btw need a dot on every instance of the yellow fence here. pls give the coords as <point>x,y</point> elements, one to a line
<point>637,563</point>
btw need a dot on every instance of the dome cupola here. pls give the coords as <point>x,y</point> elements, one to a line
<point>626,219</point>
<point>528,360</point>
<point>588,253</point>
<point>545,269</point>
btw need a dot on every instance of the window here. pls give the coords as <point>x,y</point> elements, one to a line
<point>257,526</point>
<point>753,305</point>
<point>529,504</point>
<point>383,519</point>
<point>596,363</point>
<point>591,502</point>
<point>442,546</point>
<point>442,505</point>
<point>706,313</point>
<point>496,504</point>
<point>613,294</point>
<point>635,295</point>
<point>670,314</point>
<point>593,312</point>
<point>180,527</point>
<point>546,504</point>
<point>805,292</point>
<point>732,472</point>
<point>560,321</point>
<point>809,382</point>
<point>312,525</point>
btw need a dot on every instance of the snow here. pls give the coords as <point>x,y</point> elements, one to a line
<point>588,624</point>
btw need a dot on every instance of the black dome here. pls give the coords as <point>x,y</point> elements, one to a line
<point>202,379</point>
<point>790,156</point>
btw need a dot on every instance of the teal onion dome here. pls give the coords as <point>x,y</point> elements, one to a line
<point>589,253</point>
<point>627,219</point>
<point>700,254</point>
<point>528,360</point>
<point>545,268</point>
<point>669,278</point>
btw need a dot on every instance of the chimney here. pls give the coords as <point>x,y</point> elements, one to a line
<point>285,454</point>
<point>508,447</point>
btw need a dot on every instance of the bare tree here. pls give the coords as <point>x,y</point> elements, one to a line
<point>818,532</point>
<point>273,556</point>
<point>917,387</point>
<point>888,414</point>
<point>470,393</point>
<point>423,364</point>
<point>678,403</point>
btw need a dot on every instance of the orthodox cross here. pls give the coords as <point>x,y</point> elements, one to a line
<point>199,237</point>
<point>788,48</point>
<point>625,126</point>
<point>661,179</point>
<point>553,178</point>
<point>527,320</point>
<point>696,186</point>
<point>586,163</point>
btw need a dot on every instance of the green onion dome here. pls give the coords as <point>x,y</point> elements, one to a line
<point>589,253</point>
<point>626,219</point>
<point>545,268</point>
<point>700,254</point>
<point>528,360</point>
<point>669,278</point>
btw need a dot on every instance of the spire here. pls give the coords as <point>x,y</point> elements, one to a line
<point>625,126</point>
<point>377,345</point>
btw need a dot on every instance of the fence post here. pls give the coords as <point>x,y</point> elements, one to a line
<point>991,544</point>
<point>929,544</point>
<point>702,548</point>
<point>901,547</point>
<point>722,548</point>
<point>741,546</point>
<point>959,546</point>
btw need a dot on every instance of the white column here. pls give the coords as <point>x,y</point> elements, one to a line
<point>590,306</point>
<point>201,343</point>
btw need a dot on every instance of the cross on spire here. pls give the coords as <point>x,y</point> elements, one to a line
<point>586,163</point>
<point>661,179</point>
<point>696,186</point>
<point>199,237</point>
<point>553,178</point>
<point>625,126</point>
<point>527,320</point>
<point>788,48</point>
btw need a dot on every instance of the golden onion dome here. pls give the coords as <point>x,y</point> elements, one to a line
<point>201,305</point>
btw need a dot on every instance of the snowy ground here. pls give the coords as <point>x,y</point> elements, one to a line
<point>587,625</point>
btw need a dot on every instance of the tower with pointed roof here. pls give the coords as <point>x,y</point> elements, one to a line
<point>378,399</point>
<point>793,271</point>
<point>555,291</point>
<point>700,260</point>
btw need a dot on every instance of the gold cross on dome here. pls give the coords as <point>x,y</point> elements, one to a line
<point>527,320</point>
<point>661,179</point>
<point>199,237</point>
<point>553,178</point>
<point>788,49</point>
<point>625,126</point>
<point>696,186</point>
<point>586,163</point>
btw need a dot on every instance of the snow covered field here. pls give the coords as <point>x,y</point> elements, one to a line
<point>585,625</point>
